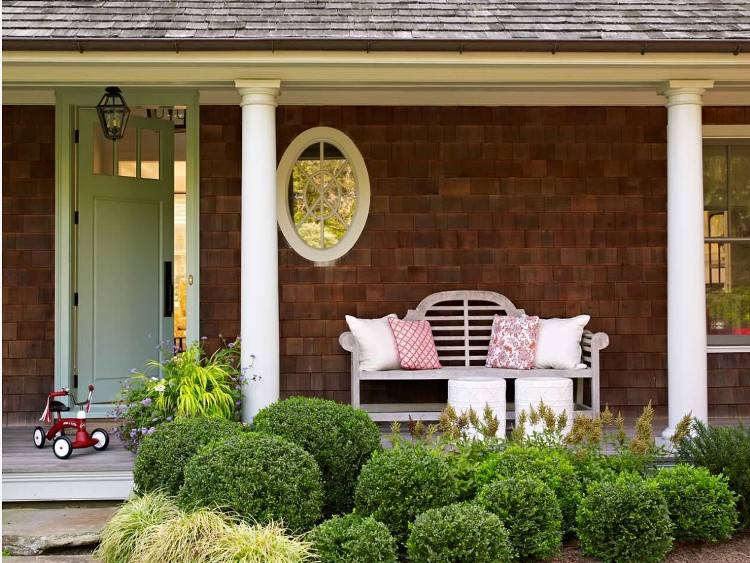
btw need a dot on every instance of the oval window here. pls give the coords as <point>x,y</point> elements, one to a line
<point>323,194</point>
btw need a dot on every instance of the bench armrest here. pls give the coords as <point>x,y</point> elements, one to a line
<point>347,341</point>
<point>599,340</point>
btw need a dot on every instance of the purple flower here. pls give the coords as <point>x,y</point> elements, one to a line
<point>231,345</point>
<point>204,338</point>
<point>238,402</point>
<point>151,430</point>
<point>133,432</point>
<point>144,430</point>
<point>146,402</point>
<point>169,419</point>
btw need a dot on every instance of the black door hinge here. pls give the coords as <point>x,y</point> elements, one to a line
<point>75,299</point>
<point>75,136</point>
<point>75,217</point>
<point>75,381</point>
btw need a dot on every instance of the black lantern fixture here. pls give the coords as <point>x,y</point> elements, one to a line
<point>113,113</point>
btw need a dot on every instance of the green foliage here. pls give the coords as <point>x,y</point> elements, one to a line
<point>722,450</point>
<point>701,505</point>
<point>261,478</point>
<point>460,533</point>
<point>529,510</point>
<point>163,455</point>
<point>550,465</point>
<point>187,384</point>
<point>397,484</point>
<point>247,543</point>
<point>339,437</point>
<point>625,520</point>
<point>127,528</point>
<point>343,539</point>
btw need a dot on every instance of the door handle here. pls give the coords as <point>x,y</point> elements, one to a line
<point>168,290</point>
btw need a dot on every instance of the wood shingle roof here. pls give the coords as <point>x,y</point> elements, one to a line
<point>377,20</point>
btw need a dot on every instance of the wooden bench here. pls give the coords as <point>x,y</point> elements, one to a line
<point>461,325</point>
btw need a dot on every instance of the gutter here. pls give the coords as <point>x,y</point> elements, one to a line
<point>733,46</point>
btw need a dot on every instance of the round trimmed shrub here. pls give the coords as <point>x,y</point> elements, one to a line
<point>701,505</point>
<point>551,466</point>
<point>343,539</point>
<point>163,455</point>
<point>396,485</point>
<point>529,510</point>
<point>625,520</point>
<point>459,532</point>
<point>339,437</point>
<point>261,478</point>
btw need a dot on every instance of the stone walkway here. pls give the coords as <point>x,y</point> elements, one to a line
<point>35,529</point>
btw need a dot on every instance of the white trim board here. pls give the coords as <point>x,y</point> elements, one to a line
<point>726,131</point>
<point>67,486</point>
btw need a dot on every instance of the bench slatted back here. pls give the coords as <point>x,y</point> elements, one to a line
<point>462,323</point>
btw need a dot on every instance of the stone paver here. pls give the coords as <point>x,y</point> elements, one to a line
<point>50,559</point>
<point>32,530</point>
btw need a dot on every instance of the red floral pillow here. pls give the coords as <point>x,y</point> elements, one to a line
<point>513,342</point>
<point>414,343</point>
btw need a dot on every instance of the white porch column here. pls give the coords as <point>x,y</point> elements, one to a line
<point>686,291</point>
<point>259,279</point>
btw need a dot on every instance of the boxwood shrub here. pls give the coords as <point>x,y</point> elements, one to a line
<point>724,450</point>
<point>339,437</point>
<point>344,539</point>
<point>261,478</point>
<point>162,456</point>
<point>701,505</point>
<point>396,485</point>
<point>550,465</point>
<point>625,520</point>
<point>462,532</point>
<point>529,510</point>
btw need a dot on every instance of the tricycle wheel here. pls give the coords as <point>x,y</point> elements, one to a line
<point>40,437</point>
<point>63,447</point>
<point>101,437</point>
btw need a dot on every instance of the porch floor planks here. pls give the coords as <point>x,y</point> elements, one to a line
<point>20,455</point>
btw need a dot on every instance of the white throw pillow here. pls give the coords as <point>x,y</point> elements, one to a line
<point>559,343</point>
<point>377,348</point>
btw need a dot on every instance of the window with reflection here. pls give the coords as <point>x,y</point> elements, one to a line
<point>322,195</point>
<point>726,224</point>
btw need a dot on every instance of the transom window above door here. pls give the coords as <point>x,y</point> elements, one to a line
<point>323,194</point>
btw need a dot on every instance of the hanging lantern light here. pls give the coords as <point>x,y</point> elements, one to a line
<point>113,113</point>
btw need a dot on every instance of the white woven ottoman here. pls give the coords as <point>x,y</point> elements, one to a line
<point>477,393</point>
<point>556,392</point>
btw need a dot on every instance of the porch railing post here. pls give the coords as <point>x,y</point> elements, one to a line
<point>259,287</point>
<point>686,291</point>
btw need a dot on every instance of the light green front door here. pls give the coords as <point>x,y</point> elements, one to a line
<point>124,250</point>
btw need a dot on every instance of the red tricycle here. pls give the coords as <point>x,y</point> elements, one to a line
<point>62,445</point>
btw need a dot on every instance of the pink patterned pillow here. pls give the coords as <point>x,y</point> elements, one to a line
<point>513,342</point>
<point>414,343</point>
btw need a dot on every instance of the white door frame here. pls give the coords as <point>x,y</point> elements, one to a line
<point>67,100</point>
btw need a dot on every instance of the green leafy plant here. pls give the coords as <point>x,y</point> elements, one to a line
<point>136,518</point>
<point>397,484</point>
<point>343,539</point>
<point>550,465</point>
<point>461,532</point>
<point>529,510</point>
<point>163,455</point>
<point>722,450</point>
<point>260,477</point>
<point>339,437</point>
<point>701,505</point>
<point>187,384</point>
<point>625,520</point>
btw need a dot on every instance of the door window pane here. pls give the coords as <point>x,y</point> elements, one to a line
<point>126,153</point>
<point>728,290</point>
<point>739,190</point>
<point>103,152</point>
<point>149,154</point>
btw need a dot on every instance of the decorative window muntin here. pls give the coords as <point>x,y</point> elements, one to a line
<point>323,194</point>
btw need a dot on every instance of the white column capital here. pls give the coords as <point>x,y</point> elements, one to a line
<point>258,92</point>
<point>680,92</point>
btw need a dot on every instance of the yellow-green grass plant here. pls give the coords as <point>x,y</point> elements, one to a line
<point>254,543</point>
<point>135,520</point>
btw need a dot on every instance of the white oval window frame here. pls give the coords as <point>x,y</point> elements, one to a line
<point>350,151</point>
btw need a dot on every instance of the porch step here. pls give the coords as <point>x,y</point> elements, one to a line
<point>41,528</point>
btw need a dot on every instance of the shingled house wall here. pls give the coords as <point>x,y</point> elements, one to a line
<point>28,260</point>
<point>561,209</point>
